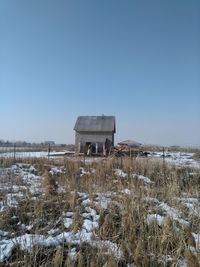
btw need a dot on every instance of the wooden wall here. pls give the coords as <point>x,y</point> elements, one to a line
<point>98,137</point>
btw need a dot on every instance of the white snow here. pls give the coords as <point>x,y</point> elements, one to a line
<point>2,206</point>
<point>67,222</point>
<point>91,159</point>
<point>56,171</point>
<point>85,236</point>
<point>103,200</point>
<point>33,181</point>
<point>12,199</point>
<point>32,169</point>
<point>89,226</point>
<point>193,209</point>
<point>31,154</point>
<point>53,231</point>
<point>83,172</point>
<point>173,213</point>
<point>27,227</point>
<point>114,248</point>
<point>25,172</point>
<point>120,173</point>
<point>82,195</point>
<point>61,189</point>
<point>178,158</point>
<point>126,191</point>
<point>86,202</point>
<point>197,240</point>
<point>182,263</point>
<point>3,233</point>
<point>61,153</point>
<point>151,199</point>
<point>92,213</point>
<point>69,214</point>
<point>6,248</point>
<point>192,204</point>
<point>72,253</point>
<point>155,217</point>
<point>86,215</point>
<point>17,188</point>
<point>35,154</point>
<point>143,178</point>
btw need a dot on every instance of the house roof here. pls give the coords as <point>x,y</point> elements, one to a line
<point>130,143</point>
<point>95,124</point>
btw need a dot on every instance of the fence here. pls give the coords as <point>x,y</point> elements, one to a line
<point>15,152</point>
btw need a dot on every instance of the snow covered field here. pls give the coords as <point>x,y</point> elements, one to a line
<point>178,158</point>
<point>123,213</point>
<point>31,154</point>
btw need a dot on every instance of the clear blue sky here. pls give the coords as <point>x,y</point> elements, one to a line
<point>137,60</point>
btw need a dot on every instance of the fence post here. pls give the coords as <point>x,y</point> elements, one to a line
<point>14,151</point>
<point>163,154</point>
<point>49,150</point>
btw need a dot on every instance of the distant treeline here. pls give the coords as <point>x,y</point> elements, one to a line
<point>12,143</point>
<point>171,148</point>
<point>27,144</point>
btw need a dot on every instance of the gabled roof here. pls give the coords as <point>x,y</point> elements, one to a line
<point>95,124</point>
<point>130,143</point>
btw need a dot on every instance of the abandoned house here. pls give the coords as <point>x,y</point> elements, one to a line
<point>94,134</point>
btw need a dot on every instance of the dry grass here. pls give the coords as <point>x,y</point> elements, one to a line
<point>124,222</point>
<point>197,155</point>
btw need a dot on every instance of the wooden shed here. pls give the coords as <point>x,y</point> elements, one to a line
<point>94,134</point>
<point>130,147</point>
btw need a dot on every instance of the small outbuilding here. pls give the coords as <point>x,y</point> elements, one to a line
<point>129,147</point>
<point>130,144</point>
<point>94,134</point>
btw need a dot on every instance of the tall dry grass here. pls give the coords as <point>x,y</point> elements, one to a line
<point>124,222</point>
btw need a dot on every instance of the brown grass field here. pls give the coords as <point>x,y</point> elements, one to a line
<point>104,212</point>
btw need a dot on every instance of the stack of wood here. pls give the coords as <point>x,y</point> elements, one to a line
<point>127,148</point>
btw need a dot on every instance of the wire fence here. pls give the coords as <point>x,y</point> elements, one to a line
<point>22,152</point>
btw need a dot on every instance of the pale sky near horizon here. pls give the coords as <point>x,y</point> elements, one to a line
<point>136,60</point>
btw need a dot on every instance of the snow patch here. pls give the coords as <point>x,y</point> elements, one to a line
<point>143,178</point>
<point>155,218</point>
<point>173,213</point>
<point>120,173</point>
<point>89,226</point>
<point>67,222</point>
